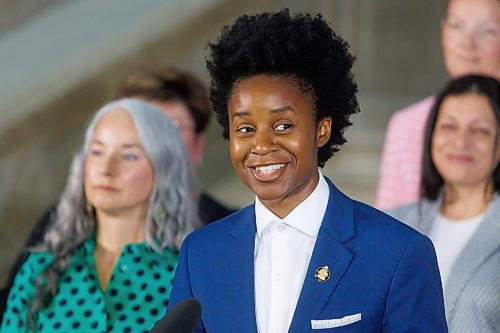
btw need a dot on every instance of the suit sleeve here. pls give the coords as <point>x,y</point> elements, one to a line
<point>415,299</point>
<point>182,282</point>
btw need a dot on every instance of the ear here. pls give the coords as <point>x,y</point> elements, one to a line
<point>323,131</point>
<point>198,149</point>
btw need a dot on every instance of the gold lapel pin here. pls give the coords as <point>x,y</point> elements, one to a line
<point>322,274</point>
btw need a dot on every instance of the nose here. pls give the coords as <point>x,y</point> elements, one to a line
<point>107,166</point>
<point>468,40</point>
<point>462,139</point>
<point>263,142</point>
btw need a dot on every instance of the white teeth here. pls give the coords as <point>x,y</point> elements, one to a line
<point>269,168</point>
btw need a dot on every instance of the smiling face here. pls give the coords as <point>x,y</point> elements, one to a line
<point>118,173</point>
<point>274,140</point>
<point>464,145</point>
<point>471,37</point>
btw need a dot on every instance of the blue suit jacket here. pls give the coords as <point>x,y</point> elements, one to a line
<point>378,267</point>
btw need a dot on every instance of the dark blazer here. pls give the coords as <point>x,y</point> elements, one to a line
<point>472,293</point>
<point>211,210</point>
<point>380,270</point>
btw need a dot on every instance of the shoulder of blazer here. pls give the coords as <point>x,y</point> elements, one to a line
<point>492,215</point>
<point>238,222</point>
<point>419,215</point>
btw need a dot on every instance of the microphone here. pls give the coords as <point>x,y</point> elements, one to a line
<point>181,319</point>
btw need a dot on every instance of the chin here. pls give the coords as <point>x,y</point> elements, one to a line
<point>269,196</point>
<point>272,192</point>
<point>106,207</point>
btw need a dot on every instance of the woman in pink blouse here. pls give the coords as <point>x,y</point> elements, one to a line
<point>471,44</point>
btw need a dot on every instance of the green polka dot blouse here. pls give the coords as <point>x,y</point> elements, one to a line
<point>134,299</point>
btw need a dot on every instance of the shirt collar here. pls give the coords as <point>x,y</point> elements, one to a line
<point>306,217</point>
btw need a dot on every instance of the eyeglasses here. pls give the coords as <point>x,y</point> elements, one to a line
<point>483,34</point>
<point>142,82</point>
<point>183,127</point>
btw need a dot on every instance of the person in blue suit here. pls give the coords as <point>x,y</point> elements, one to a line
<point>304,257</point>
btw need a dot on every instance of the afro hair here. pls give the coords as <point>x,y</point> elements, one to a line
<point>300,46</point>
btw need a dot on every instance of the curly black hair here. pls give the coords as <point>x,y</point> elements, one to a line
<point>300,46</point>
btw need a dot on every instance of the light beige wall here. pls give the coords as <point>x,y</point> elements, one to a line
<point>397,45</point>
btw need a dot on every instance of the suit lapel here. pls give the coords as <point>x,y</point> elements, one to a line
<point>482,244</point>
<point>337,227</point>
<point>239,273</point>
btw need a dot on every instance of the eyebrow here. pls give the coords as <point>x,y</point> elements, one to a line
<point>274,111</point>
<point>475,120</point>
<point>132,145</point>
<point>240,114</point>
<point>127,145</point>
<point>283,109</point>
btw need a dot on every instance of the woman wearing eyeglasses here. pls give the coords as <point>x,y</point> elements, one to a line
<point>470,36</point>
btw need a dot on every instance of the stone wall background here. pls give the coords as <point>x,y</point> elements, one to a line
<point>45,101</point>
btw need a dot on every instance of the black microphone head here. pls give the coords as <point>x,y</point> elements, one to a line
<point>182,318</point>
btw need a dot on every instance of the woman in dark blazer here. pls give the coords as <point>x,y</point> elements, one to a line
<point>460,205</point>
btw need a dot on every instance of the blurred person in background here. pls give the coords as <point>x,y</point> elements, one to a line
<point>470,35</point>
<point>184,99</point>
<point>460,204</point>
<point>107,261</point>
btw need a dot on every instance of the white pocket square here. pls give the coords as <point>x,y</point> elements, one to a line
<point>332,323</point>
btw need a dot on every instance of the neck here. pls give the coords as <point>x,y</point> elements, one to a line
<point>464,202</point>
<point>281,207</point>
<point>114,231</point>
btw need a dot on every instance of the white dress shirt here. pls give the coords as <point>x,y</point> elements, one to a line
<point>449,238</point>
<point>283,249</point>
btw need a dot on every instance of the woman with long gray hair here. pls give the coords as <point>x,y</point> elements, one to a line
<point>108,260</point>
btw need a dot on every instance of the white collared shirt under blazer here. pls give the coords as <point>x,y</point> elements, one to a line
<point>472,291</point>
<point>283,249</point>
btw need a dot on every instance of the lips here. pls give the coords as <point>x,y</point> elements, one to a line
<point>460,158</point>
<point>267,173</point>
<point>105,188</point>
<point>470,59</point>
<point>269,168</point>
